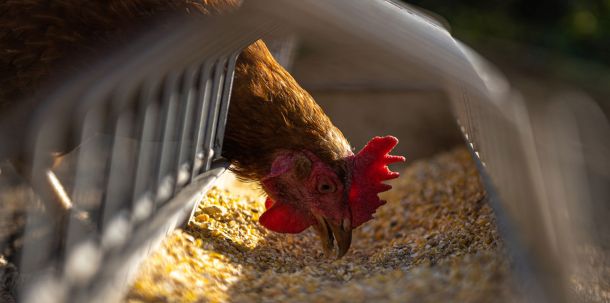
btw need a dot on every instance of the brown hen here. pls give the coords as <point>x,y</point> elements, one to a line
<point>276,133</point>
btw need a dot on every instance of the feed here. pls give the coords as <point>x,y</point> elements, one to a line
<point>435,240</point>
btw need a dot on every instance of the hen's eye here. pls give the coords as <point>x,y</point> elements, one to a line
<point>326,188</point>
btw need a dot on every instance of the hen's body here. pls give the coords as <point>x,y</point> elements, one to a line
<point>276,134</point>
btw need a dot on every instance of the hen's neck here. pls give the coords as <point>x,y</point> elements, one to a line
<point>270,112</point>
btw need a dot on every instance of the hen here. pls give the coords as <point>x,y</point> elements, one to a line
<point>276,133</point>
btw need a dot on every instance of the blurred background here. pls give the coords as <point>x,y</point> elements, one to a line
<point>546,49</point>
<point>565,43</point>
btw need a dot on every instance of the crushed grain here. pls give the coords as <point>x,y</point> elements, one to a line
<point>434,241</point>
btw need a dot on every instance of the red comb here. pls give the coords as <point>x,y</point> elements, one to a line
<point>369,169</point>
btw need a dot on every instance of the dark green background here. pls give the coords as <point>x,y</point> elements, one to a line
<point>556,45</point>
<point>578,29</point>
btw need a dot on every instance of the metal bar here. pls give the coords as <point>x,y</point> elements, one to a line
<point>187,103</point>
<point>203,107</point>
<point>210,134</point>
<point>165,179</point>
<point>143,196</point>
<point>105,157</point>
<point>224,109</point>
<point>122,168</point>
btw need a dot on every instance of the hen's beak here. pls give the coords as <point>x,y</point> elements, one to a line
<point>328,231</point>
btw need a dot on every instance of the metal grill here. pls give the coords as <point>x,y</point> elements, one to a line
<point>143,131</point>
<point>162,138</point>
<point>148,145</point>
<point>542,164</point>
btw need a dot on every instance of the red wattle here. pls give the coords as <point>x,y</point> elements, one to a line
<point>284,218</point>
<point>269,203</point>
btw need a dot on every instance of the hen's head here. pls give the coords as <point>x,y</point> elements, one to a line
<point>304,191</point>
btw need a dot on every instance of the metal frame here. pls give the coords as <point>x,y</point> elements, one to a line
<point>148,147</point>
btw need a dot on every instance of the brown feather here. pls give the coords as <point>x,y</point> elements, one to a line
<point>270,112</point>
